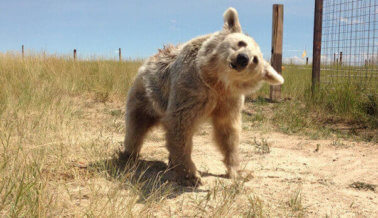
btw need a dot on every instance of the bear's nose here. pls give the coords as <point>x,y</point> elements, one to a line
<point>242,60</point>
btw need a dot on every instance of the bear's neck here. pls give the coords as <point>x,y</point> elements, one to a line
<point>210,77</point>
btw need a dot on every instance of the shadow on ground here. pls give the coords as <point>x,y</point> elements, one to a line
<point>147,177</point>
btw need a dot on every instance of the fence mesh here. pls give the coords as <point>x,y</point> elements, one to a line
<point>349,40</point>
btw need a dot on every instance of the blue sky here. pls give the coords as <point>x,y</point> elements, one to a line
<point>140,27</point>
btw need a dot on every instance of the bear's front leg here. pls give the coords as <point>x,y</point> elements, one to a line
<point>180,144</point>
<point>226,134</point>
<point>226,120</point>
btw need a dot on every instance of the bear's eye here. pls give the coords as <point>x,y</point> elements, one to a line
<point>242,44</point>
<point>255,60</point>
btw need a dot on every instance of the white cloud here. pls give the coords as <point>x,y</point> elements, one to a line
<point>294,60</point>
<point>349,21</point>
<point>325,58</point>
<point>294,50</point>
<point>344,20</point>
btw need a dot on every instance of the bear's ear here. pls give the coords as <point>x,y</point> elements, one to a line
<point>271,76</point>
<point>231,21</point>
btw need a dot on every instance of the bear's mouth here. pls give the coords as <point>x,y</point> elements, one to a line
<point>233,66</point>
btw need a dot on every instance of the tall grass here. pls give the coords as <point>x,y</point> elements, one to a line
<point>40,115</point>
<point>345,102</point>
<point>36,81</point>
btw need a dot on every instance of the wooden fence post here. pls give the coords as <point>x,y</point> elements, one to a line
<point>276,55</point>
<point>74,54</point>
<point>120,54</point>
<point>23,51</point>
<point>317,44</point>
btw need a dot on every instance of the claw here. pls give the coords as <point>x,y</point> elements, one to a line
<point>240,174</point>
<point>190,180</point>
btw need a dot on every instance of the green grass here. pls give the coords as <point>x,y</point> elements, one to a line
<point>344,104</point>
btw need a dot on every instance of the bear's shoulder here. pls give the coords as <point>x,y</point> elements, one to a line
<point>192,47</point>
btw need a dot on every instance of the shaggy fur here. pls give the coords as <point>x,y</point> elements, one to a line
<point>182,86</point>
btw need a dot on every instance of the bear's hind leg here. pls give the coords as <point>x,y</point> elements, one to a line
<point>179,136</point>
<point>138,122</point>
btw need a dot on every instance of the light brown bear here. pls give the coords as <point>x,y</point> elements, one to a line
<point>203,79</point>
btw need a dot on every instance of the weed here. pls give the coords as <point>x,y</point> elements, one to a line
<point>295,204</point>
<point>255,207</point>
<point>261,146</point>
<point>116,113</point>
<point>363,186</point>
<point>338,143</point>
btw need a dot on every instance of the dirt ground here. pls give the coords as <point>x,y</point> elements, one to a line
<point>311,178</point>
<point>322,176</point>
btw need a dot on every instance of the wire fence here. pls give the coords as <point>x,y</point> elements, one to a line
<point>349,41</point>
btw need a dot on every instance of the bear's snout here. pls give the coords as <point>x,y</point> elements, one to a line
<point>242,60</point>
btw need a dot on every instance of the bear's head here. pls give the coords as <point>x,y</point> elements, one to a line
<point>236,58</point>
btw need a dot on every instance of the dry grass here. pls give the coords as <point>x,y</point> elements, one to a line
<point>61,126</point>
<point>46,126</point>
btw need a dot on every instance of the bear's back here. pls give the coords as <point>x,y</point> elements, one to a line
<point>168,66</point>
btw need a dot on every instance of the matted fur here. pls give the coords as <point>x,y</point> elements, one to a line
<point>182,86</point>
